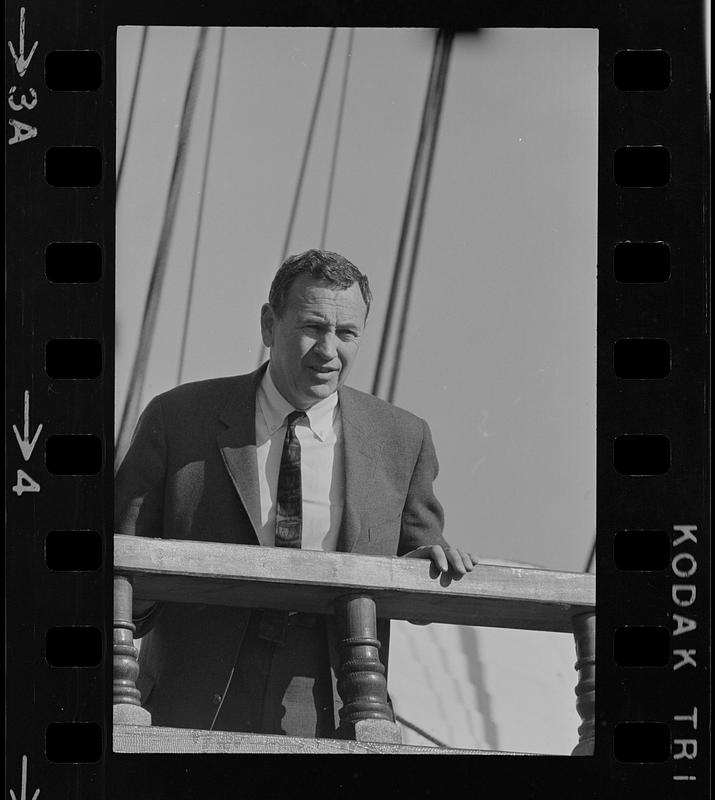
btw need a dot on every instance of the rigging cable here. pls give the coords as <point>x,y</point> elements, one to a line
<point>448,38</point>
<point>336,144</point>
<point>132,105</point>
<point>136,382</point>
<point>308,144</point>
<point>415,177</point>
<point>200,215</point>
<point>422,732</point>
<point>304,162</point>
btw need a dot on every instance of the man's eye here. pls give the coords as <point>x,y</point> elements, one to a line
<point>347,334</point>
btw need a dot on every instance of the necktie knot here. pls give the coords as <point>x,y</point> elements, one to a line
<point>294,418</point>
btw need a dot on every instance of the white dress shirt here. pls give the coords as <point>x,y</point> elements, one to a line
<point>321,456</point>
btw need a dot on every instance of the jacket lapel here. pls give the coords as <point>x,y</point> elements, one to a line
<point>238,444</point>
<point>361,452</point>
<point>360,448</point>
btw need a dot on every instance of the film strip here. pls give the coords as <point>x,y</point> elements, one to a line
<point>652,548</point>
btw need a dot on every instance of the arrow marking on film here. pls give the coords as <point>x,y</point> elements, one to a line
<point>27,445</point>
<point>23,787</point>
<point>21,63</point>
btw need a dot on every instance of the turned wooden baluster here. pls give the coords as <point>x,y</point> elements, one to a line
<point>126,699</point>
<point>584,627</point>
<point>365,715</point>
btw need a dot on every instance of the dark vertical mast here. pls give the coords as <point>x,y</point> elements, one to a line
<point>151,307</point>
<point>200,213</point>
<point>416,199</point>
<point>304,161</point>
<point>447,39</point>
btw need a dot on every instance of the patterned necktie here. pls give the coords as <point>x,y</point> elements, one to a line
<point>289,497</point>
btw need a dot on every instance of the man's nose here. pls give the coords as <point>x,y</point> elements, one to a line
<point>327,345</point>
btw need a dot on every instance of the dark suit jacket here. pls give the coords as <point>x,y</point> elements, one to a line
<point>191,473</point>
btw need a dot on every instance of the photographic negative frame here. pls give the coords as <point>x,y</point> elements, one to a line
<point>651,723</point>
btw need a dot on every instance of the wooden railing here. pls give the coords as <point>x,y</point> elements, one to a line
<point>357,589</point>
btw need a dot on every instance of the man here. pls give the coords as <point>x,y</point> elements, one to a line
<point>289,457</point>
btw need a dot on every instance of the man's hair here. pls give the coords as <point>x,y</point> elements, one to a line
<point>321,265</point>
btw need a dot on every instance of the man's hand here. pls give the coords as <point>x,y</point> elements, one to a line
<point>450,564</point>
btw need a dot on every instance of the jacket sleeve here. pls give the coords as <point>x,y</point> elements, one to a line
<point>422,515</point>
<point>139,482</point>
<point>139,491</point>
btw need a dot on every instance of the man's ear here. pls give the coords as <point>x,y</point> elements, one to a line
<point>267,319</point>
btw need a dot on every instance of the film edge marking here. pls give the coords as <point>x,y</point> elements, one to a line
<point>24,482</point>
<point>688,746</point>
<point>23,784</point>
<point>23,130</point>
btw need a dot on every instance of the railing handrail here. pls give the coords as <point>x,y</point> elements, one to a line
<point>301,580</point>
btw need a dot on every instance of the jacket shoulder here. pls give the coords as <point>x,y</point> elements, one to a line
<point>380,411</point>
<point>205,388</point>
<point>202,397</point>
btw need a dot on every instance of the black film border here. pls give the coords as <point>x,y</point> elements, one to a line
<point>44,595</point>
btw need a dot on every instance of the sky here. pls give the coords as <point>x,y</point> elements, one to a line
<point>500,351</point>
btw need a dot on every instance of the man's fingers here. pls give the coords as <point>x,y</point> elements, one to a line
<point>456,562</point>
<point>445,578</point>
<point>461,561</point>
<point>439,558</point>
<point>451,563</point>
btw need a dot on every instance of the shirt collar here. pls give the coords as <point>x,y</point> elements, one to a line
<point>275,408</point>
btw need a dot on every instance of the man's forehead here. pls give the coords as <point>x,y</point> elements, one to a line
<point>307,292</point>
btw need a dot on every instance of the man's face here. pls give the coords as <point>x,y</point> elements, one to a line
<point>314,341</point>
